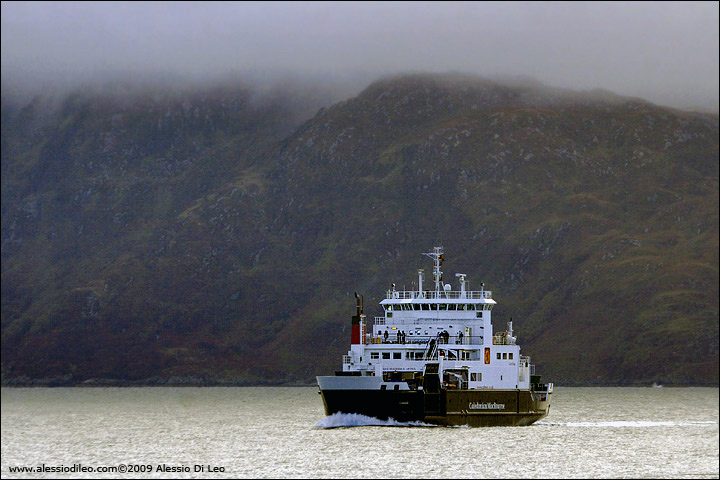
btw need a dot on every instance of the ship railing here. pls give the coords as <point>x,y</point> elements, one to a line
<point>503,339</point>
<point>413,320</point>
<point>396,339</point>
<point>431,294</point>
<point>539,391</point>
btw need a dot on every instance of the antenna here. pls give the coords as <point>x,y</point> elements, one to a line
<point>438,258</point>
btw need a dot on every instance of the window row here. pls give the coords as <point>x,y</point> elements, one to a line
<point>438,306</point>
<point>397,355</point>
<point>386,355</point>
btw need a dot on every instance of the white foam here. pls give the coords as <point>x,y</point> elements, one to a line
<point>337,420</point>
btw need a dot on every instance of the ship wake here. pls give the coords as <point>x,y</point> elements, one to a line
<point>628,424</point>
<point>340,420</point>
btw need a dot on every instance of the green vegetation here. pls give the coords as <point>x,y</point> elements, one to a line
<point>210,237</point>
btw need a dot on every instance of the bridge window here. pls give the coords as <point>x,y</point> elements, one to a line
<point>386,355</point>
<point>476,376</point>
<point>374,355</point>
<point>510,356</point>
<point>499,356</point>
<point>397,355</point>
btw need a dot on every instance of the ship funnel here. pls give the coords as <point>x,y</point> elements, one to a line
<point>355,325</point>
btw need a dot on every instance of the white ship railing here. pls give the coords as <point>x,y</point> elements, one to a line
<point>503,339</point>
<point>423,340</point>
<point>430,294</point>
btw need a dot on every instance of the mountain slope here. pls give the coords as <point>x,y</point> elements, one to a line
<point>229,248</point>
<point>595,222</point>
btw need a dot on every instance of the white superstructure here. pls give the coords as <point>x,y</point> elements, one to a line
<point>446,326</point>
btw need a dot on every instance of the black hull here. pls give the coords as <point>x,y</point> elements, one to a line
<point>474,408</point>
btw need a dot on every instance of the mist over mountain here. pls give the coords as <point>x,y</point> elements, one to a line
<point>216,233</point>
<point>665,52</point>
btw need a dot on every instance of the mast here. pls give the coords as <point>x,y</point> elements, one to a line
<point>438,257</point>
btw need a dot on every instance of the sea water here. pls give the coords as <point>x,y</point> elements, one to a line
<point>282,432</point>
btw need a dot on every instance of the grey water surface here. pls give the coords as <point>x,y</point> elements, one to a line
<point>282,432</point>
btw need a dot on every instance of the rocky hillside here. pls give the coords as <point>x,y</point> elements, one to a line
<point>213,236</point>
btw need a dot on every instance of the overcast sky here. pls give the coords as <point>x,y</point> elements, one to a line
<point>665,52</point>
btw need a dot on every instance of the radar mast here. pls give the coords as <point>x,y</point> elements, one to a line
<point>438,257</point>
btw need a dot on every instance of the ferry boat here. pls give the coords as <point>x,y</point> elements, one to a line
<point>433,357</point>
